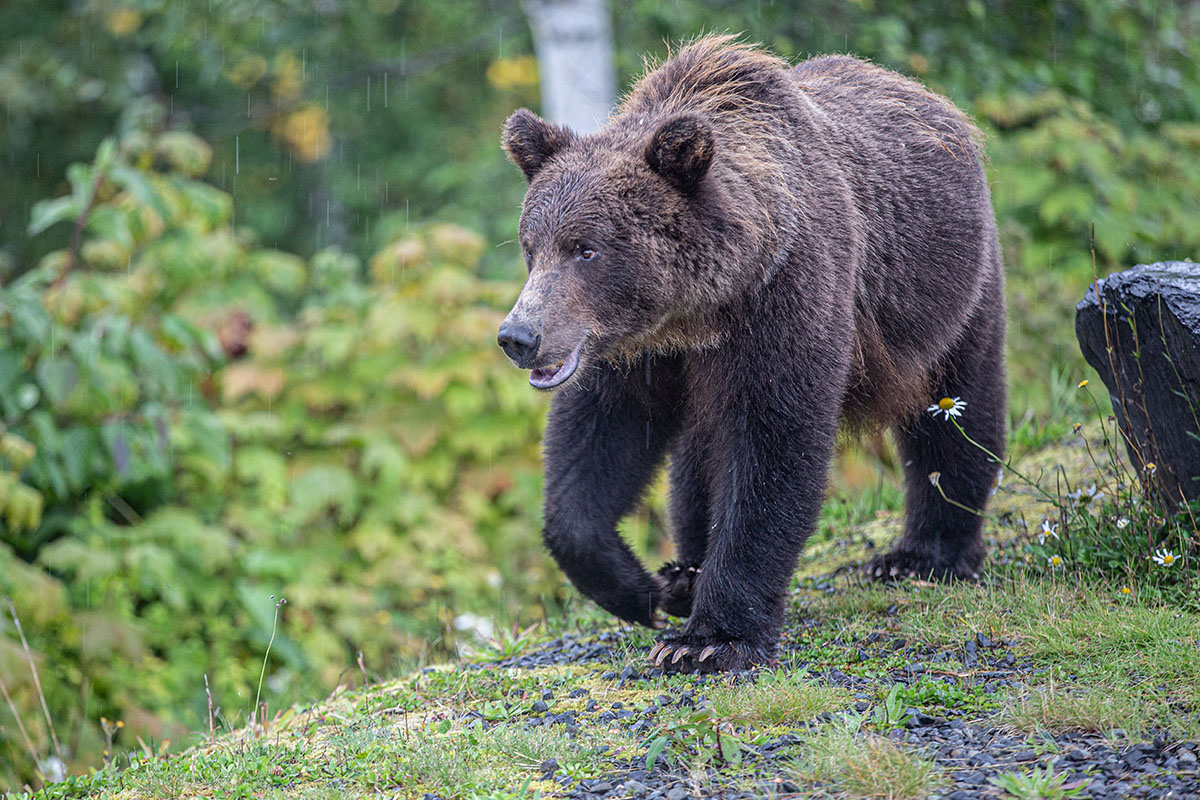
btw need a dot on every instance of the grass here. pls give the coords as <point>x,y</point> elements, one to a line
<point>850,763</point>
<point>1084,629</point>
<point>1092,659</point>
<point>777,698</point>
<point>1057,708</point>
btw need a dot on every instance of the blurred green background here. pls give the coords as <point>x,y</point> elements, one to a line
<point>252,259</point>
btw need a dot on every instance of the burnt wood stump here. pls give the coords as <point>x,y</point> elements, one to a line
<point>1140,329</point>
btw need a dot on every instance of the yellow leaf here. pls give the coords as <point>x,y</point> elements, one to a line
<point>513,73</point>
<point>122,21</point>
<point>238,380</point>
<point>305,132</point>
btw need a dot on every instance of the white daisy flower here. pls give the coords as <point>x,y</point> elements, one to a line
<point>948,407</point>
<point>1047,530</point>
<point>1122,523</point>
<point>1055,561</point>
<point>1165,557</point>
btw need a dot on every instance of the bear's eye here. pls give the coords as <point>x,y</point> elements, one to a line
<point>585,253</point>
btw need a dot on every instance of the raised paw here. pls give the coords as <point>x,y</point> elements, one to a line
<point>688,653</point>
<point>679,587</point>
<point>899,565</point>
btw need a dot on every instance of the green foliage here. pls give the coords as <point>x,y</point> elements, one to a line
<point>1121,529</point>
<point>192,423</point>
<point>941,696</point>
<point>699,739</point>
<point>1037,784</point>
<point>890,712</point>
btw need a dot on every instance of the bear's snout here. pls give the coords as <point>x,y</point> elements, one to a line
<point>519,343</point>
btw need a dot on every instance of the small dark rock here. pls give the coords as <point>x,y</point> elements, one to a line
<point>539,706</point>
<point>549,766</point>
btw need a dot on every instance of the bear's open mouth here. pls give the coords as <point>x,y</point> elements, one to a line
<point>550,377</point>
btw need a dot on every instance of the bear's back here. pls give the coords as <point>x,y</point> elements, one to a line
<point>880,113</point>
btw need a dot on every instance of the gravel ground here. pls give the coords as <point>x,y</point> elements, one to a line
<point>969,751</point>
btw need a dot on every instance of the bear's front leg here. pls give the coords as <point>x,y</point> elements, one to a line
<point>604,440</point>
<point>771,446</point>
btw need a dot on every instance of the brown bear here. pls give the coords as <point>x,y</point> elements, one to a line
<point>744,256</point>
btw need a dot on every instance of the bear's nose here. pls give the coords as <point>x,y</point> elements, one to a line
<point>519,343</point>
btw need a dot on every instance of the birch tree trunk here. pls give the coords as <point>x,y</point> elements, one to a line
<point>573,40</point>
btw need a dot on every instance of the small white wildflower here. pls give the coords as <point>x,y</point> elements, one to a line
<point>1055,561</point>
<point>480,626</point>
<point>948,407</point>
<point>1122,523</point>
<point>934,477</point>
<point>54,769</point>
<point>1047,530</point>
<point>1165,557</point>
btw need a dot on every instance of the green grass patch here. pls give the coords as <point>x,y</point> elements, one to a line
<point>1084,629</point>
<point>1057,708</point>
<point>850,763</point>
<point>777,698</point>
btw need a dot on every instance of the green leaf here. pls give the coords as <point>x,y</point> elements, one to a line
<point>731,749</point>
<point>57,376</point>
<point>138,184</point>
<point>48,212</point>
<point>656,749</point>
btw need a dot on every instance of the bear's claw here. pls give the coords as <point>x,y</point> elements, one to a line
<point>688,653</point>
<point>900,565</point>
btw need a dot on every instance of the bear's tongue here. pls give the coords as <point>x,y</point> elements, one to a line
<point>549,377</point>
<point>545,374</point>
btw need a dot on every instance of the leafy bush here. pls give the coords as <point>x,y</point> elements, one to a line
<point>193,423</point>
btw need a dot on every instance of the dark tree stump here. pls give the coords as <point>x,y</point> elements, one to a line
<point>1140,329</point>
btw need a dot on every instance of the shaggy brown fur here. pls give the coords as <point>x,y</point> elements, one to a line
<point>744,256</point>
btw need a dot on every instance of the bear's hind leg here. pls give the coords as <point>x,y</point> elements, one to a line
<point>942,540</point>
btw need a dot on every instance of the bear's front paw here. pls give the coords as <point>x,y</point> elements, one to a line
<point>689,653</point>
<point>899,565</point>
<point>679,587</point>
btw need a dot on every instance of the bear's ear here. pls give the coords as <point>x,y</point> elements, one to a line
<point>530,141</point>
<point>681,150</point>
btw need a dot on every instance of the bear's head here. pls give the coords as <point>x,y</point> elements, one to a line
<point>612,231</point>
